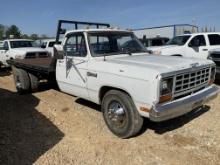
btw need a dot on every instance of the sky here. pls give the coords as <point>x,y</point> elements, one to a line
<point>41,16</point>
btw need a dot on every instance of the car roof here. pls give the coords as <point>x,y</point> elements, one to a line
<point>19,40</point>
<point>201,33</point>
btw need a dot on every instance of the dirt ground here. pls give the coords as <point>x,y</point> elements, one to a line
<point>50,127</point>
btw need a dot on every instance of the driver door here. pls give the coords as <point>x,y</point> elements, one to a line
<point>72,70</point>
<point>197,47</point>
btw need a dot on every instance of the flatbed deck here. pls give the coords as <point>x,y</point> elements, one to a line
<point>41,65</point>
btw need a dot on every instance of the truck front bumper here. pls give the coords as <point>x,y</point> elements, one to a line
<point>162,112</point>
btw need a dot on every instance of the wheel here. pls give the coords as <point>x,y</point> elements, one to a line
<point>120,114</point>
<point>21,79</point>
<point>34,82</point>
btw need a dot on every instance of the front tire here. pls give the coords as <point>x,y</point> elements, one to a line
<point>120,114</point>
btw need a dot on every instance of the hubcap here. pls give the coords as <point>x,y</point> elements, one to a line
<point>116,113</point>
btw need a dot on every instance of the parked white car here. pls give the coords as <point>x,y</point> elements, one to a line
<point>196,45</point>
<point>48,45</point>
<point>20,49</point>
<point>112,68</point>
<point>214,55</point>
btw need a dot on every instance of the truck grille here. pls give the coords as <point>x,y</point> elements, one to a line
<point>217,62</point>
<point>215,55</point>
<point>187,83</point>
<point>36,55</point>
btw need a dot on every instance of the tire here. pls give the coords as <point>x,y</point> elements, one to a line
<point>120,114</point>
<point>34,82</point>
<point>21,79</point>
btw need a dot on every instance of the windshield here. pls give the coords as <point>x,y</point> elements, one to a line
<point>113,43</point>
<point>21,44</point>
<point>179,40</point>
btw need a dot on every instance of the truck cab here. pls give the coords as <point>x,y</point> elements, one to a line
<point>48,45</point>
<point>196,45</point>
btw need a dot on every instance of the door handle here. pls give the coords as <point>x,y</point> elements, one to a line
<point>7,55</point>
<point>205,49</point>
<point>90,74</point>
<point>61,61</point>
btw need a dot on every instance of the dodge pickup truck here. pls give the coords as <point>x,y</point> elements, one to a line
<point>196,45</point>
<point>19,49</point>
<point>111,67</point>
<point>48,44</point>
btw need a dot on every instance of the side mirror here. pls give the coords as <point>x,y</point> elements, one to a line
<point>58,51</point>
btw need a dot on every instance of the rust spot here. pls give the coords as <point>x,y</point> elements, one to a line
<point>144,109</point>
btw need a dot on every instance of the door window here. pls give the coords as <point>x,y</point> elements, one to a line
<point>198,41</point>
<point>76,45</point>
<point>214,39</point>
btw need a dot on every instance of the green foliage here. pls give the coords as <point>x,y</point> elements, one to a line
<point>34,36</point>
<point>13,30</point>
<point>1,31</point>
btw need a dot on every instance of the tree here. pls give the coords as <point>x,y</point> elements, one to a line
<point>2,28</point>
<point>25,36</point>
<point>13,30</point>
<point>43,36</point>
<point>34,36</point>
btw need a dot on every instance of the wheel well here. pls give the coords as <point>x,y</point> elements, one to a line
<point>11,58</point>
<point>105,89</point>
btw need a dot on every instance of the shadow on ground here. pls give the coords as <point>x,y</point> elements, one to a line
<point>25,134</point>
<point>161,127</point>
<point>5,72</point>
<point>217,81</point>
<point>88,104</point>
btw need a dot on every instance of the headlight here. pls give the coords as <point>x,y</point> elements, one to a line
<point>166,87</point>
<point>212,76</point>
<point>157,52</point>
<point>19,57</point>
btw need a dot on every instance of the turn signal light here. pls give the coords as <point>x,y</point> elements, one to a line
<point>211,82</point>
<point>165,98</point>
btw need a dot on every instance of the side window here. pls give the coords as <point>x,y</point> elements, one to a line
<point>198,41</point>
<point>76,46</point>
<point>214,39</point>
<point>44,45</point>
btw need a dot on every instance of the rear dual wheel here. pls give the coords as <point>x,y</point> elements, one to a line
<point>24,81</point>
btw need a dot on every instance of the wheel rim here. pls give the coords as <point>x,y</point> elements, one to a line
<point>117,114</point>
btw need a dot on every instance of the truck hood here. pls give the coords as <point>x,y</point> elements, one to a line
<point>27,50</point>
<point>153,48</point>
<point>154,65</point>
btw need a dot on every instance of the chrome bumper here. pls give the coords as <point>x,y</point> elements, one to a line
<point>182,106</point>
